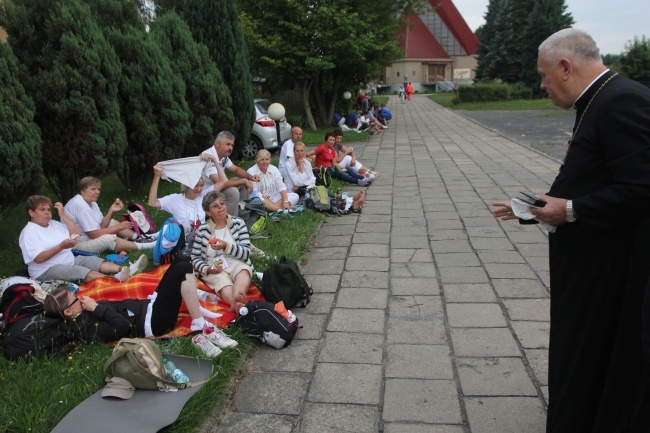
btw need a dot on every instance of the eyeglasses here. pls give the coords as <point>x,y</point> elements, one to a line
<point>72,303</point>
<point>217,205</point>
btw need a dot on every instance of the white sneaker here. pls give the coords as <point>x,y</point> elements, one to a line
<point>205,346</point>
<point>219,338</point>
<point>139,265</point>
<point>123,275</point>
<point>364,181</point>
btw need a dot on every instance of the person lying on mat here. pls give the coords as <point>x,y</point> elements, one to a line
<point>153,317</point>
<point>221,252</point>
<point>270,186</point>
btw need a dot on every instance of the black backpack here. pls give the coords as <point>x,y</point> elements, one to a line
<point>262,322</point>
<point>282,281</point>
<point>27,333</point>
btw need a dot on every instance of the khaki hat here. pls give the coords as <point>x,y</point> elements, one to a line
<point>118,387</point>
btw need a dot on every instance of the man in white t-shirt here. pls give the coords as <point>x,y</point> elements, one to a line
<point>237,188</point>
<point>287,150</point>
<point>47,245</point>
<point>100,232</point>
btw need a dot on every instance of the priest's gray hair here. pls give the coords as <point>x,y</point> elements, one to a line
<point>575,44</point>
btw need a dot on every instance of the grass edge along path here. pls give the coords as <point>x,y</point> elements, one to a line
<point>445,99</point>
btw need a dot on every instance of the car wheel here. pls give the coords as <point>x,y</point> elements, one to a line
<point>250,149</point>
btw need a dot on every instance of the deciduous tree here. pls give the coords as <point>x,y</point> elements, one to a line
<point>635,61</point>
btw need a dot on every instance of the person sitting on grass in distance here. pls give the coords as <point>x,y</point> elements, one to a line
<point>327,156</point>
<point>221,252</point>
<point>47,245</point>
<point>271,187</point>
<point>136,318</point>
<point>368,124</point>
<point>376,117</point>
<point>300,175</point>
<point>99,232</point>
<point>347,159</point>
<point>187,207</point>
<point>385,113</point>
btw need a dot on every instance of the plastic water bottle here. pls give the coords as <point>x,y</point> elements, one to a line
<point>175,372</point>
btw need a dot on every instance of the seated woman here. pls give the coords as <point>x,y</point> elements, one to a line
<point>300,175</point>
<point>185,207</point>
<point>221,252</point>
<point>327,156</point>
<point>100,232</point>
<point>271,187</point>
<point>111,320</point>
<point>47,245</point>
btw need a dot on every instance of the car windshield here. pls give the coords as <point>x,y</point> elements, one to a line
<point>263,106</point>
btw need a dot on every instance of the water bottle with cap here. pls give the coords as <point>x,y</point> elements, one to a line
<point>175,373</point>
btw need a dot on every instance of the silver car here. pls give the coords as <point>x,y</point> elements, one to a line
<point>264,134</point>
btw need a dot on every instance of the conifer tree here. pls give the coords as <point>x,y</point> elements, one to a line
<point>21,173</point>
<point>216,25</point>
<point>71,74</point>
<point>205,92</point>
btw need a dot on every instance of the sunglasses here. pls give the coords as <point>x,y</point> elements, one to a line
<point>217,205</point>
<point>74,289</point>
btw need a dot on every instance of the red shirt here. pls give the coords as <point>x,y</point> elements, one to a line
<point>324,155</point>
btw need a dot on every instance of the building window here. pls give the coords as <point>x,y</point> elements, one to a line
<point>414,73</point>
<point>398,73</point>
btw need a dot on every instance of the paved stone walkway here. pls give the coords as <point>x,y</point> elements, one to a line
<point>429,315</point>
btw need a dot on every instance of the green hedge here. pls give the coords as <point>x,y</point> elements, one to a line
<point>493,91</point>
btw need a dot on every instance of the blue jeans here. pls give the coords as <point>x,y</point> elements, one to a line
<point>351,176</point>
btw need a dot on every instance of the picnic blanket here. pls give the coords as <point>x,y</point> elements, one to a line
<point>142,285</point>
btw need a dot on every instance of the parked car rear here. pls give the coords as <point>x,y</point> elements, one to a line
<point>264,134</point>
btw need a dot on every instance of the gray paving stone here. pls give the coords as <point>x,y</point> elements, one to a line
<point>332,240</point>
<point>396,230</point>
<point>408,270</point>
<point>518,288</point>
<point>498,256</point>
<point>504,415</point>
<point>319,417</point>
<point>416,332</point>
<point>368,218</point>
<point>410,255</point>
<point>528,309</point>
<point>331,253</point>
<point>278,393</point>
<point>416,307</point>
<point>485,232</point>
<point>323,283</point>
<point>346,383</point>
<point>475,316</point>
<point>362,298</point>
<point>533,250</point>
<point>369,250</point>
<point>371,238</point>
<point>367,264</point>
<point>528,237</point>
<point>400,241</point>
<point>364,321</point>
<point>456,260</point>
<point>237,422</point>
<point>414,286</point>
<point>463,275</point>
<point>397,427</point>
<point>373,228</point>
<point>491,244</point>
<point>324,267</point>
<point>483,342</point>
<point>372,279</point>
<point>445,235</point>
<point>312,325</point>
<point>509,270</point>
<point>428,401</point>
<point>352,348</point>
<point>337,229</point>
<point>298,357</point>
<point>494,376</point>
<point>419,362</point>
<point>468,292</point>
<point>532,335</point>
<point>539,264</point>
<point>538,361</point>
<point>320,303</point>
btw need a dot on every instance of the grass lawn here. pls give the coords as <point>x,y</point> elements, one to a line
<point>35,396</point>
<point>445,99</point>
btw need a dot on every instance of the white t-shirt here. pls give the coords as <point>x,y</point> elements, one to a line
<point>34,239</point>
<point>286,155</point>
<point>210,168</point>
<point>86,216</point>
<point>296,178</point>
<point>186,211</point>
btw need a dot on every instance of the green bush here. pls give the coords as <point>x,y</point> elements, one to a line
<point>483,92</point>
<point>520,91</point>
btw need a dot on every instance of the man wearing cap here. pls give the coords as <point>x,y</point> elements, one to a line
<point>237,188</point>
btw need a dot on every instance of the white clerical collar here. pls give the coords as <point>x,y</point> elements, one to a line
<point>590,84</point>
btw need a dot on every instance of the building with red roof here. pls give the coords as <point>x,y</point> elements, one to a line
<point>438,47</point>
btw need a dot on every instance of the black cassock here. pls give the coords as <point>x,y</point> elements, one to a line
<point>600,263</point>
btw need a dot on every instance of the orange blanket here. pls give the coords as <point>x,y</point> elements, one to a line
<point>142,285</point>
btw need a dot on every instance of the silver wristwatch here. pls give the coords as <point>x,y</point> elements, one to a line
<point>570,217</point>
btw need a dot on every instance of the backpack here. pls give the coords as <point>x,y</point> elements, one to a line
<point>171,232</point>
<point>323,176</point>
<point>282,281</point>
<point>142,223</point>
<point>256,218</point>
<point>140,361</point>
<point>262,322</point>
<point>27,332</point>
<point>320,201</point>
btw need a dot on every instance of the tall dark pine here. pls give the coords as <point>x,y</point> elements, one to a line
<point>21,173</point>
<point>71,73</point>
<point>216,25</point>
<point>205,92</point>
<point>151,95</point>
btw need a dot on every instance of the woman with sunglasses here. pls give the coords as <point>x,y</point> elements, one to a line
<point>112,320</point>
<point>221,252</point>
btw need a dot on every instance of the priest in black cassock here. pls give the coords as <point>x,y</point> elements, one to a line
<point>599,253</point>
